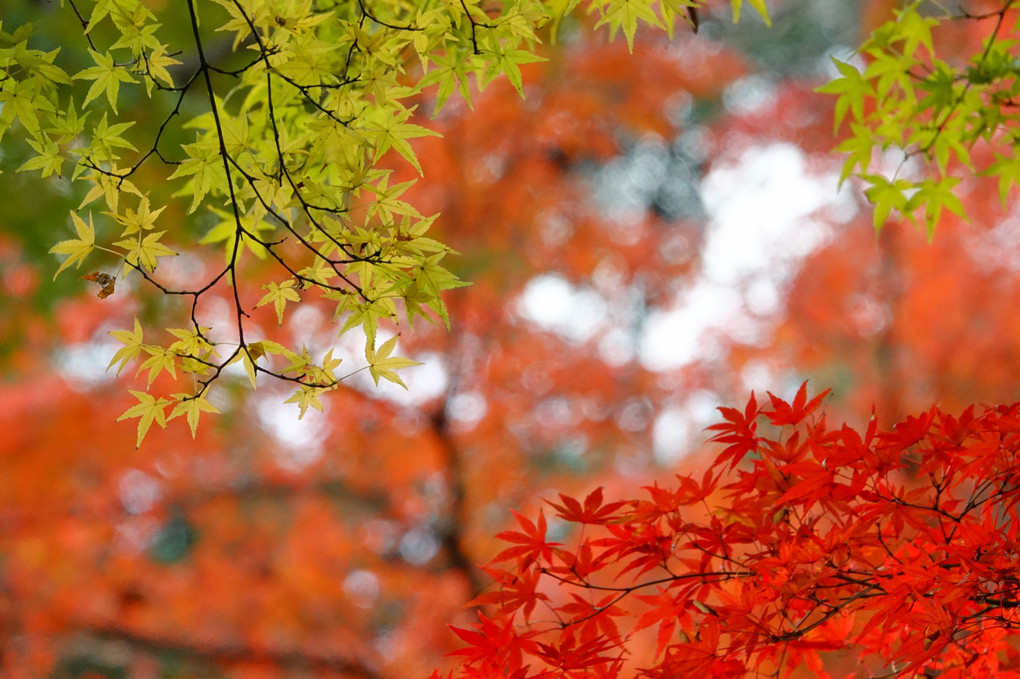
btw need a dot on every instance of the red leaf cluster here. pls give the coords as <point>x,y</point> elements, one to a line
<point>838,552</point>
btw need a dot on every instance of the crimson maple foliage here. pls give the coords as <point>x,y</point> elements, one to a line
<point>883,320</point>
<point>886,553</point>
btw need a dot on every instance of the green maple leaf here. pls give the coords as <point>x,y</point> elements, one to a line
<point>394,133</point>
<point>106,137</point>
<point>107,76</point>
<point>367,316</point>
<point>278,296</point>
<point>69,125</point>
<point>144,251</point>
<point>886,196</point>
<point>157,63</point>
<point>452,72</point>
<point>204,167</point>
<point>1008,172</point>
<point>510,60</point>
<point>625,14</point>
<point>142,220</point>
<point>21,100</point>
<point>851,88</point>
<point>76,249</point>
<point>48,161</point>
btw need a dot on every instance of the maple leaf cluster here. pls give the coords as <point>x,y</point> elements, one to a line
<point>890,552</point>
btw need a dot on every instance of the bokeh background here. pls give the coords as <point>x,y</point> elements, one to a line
<point>649,236</point>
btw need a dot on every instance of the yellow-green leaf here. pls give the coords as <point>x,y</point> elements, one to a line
<point>159,360</point>
<point>381,364</point>
<point>144,251</point>
<point>191,407</point>
<point>149,409</point>
<point>759,6</point>
<point>132,342</point>
<point>76,249</point>
<point>107,77</point>
<point>278,296</point>
<point>306,396</point>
